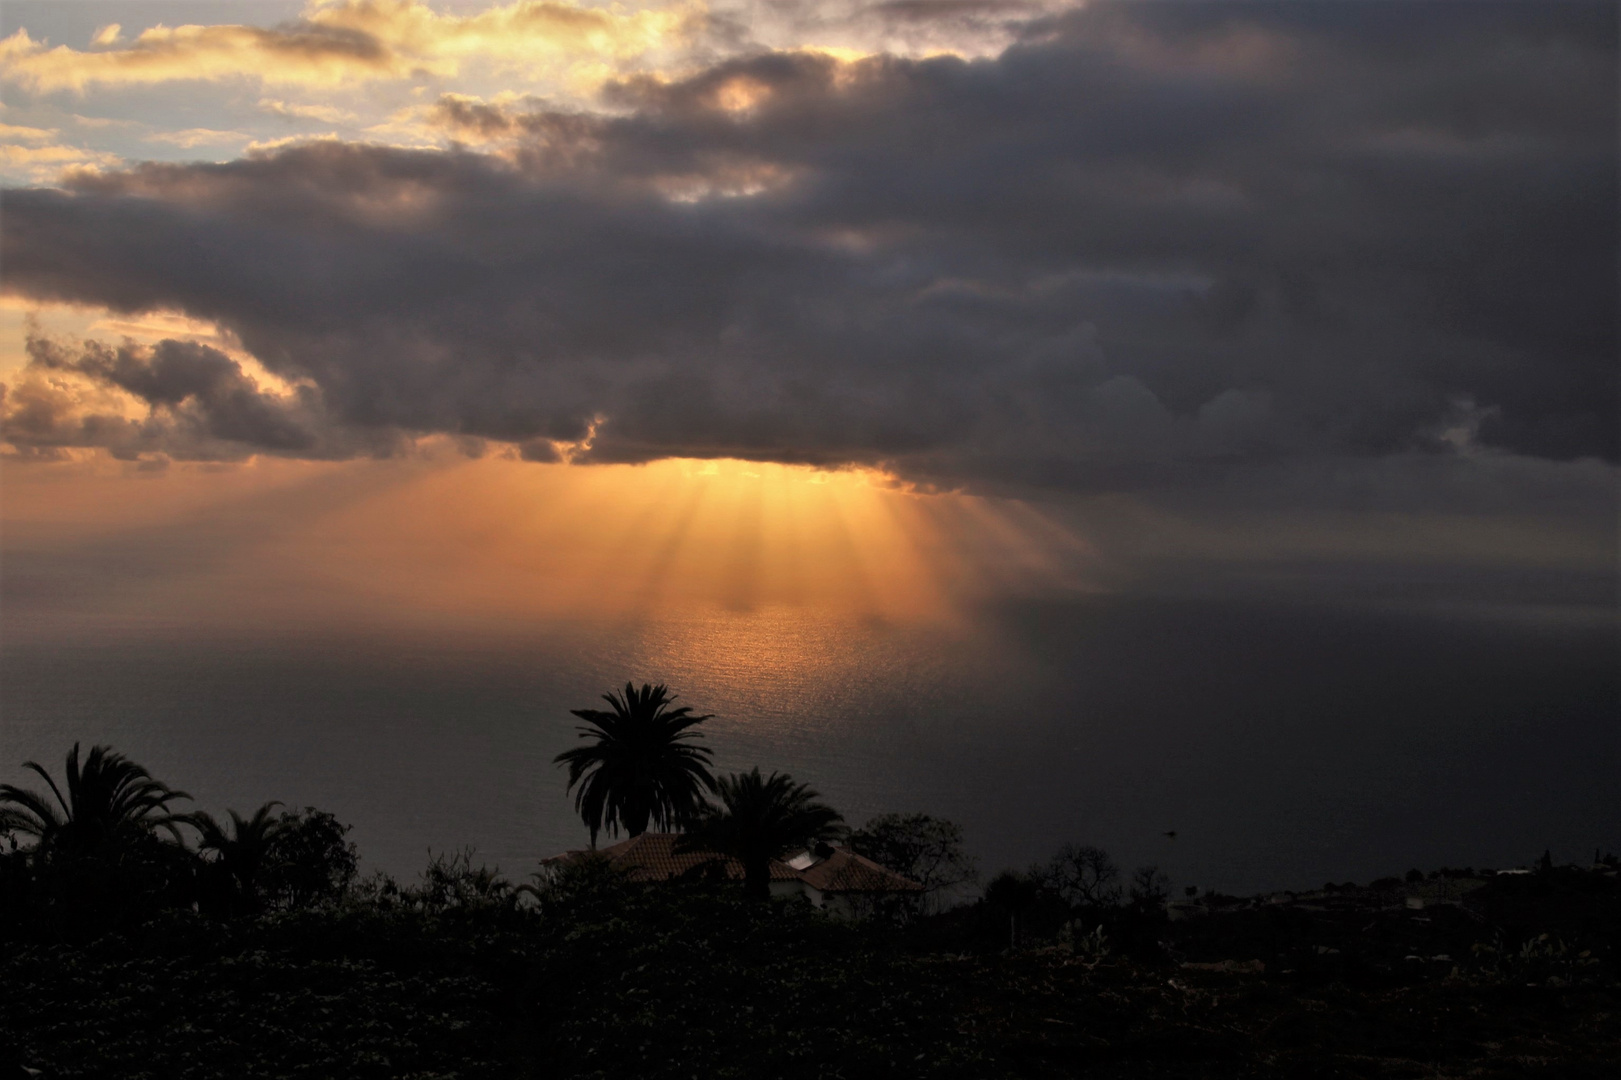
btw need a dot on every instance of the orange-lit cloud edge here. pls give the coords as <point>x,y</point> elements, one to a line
<point>343,43</point>
<point>349,41</point>
<point>379,71</point>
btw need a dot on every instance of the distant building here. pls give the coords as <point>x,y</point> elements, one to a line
<point>834,879</point>
<point>843,883</point>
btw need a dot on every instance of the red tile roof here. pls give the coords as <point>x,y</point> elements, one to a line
<point>845,871</point>
<point>652,857</point>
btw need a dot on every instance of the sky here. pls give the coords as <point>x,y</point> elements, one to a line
<point>358,315</point>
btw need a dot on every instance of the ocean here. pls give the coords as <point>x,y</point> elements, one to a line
<point>1285,744</point>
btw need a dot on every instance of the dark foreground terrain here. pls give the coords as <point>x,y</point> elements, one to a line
<point>591,977</point>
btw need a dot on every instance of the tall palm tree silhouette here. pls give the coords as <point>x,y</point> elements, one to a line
<point>639,766</point>
<point>242,850</point>
<point>760,819</point>
<point>108,797</point>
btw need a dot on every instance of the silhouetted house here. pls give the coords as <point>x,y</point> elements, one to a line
<point>843,883</point>
<point>834,879</point>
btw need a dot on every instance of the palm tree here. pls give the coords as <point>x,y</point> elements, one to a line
<point>107,798</point>
<point>760,819</point>
<point>638,767</point>
<point>242,851</point>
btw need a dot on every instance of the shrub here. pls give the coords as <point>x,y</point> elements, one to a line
<point>309,861</point>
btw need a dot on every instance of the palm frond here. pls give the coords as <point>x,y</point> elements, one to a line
<point>73,759</point>
<point>106,794</point>
<point>27,811</point>
<point>758,819</point>
<point>638,768</point>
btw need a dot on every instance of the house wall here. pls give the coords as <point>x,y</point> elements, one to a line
<point>839,905</point>
<point>844,907</point>
<point>796,888</point>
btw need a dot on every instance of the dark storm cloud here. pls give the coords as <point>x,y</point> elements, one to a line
<point>201,406</point>
<point>466,116</point>
<point>1146,239</point>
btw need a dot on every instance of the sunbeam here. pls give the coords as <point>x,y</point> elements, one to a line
<point>497,538</point>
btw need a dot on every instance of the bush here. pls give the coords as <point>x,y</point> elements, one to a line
<point>309,862</point>
<point>120,882</point>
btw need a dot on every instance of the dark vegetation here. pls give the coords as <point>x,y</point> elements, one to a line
<point>139,942</point>
<point>761,818</point>
<point>640,767</point>
<point>640,764</point>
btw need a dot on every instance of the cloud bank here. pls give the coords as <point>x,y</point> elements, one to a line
<point>1143,242</point>
<point>342,42</point>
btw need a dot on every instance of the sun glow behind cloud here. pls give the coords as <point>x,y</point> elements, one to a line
<point>502,541</point>
<point>512,539</point>
<point>815,244</point>
<point>432,534</point>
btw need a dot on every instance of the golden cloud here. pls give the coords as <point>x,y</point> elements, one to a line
<point>40,164</point>
<point>191,138</point>
<point>348,41</point>
<point>326,114</point>
<point>303,53</point>
<point>16,132</point>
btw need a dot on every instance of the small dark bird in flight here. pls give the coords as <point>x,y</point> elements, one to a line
<point>1171,835</point>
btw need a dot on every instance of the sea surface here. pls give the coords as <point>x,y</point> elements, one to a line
<point>1284,744</point>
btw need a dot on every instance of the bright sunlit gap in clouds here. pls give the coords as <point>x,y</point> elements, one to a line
<point>504,539</point>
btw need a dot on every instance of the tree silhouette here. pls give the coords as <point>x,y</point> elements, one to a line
<point>109,797</point>
<point>760,819</point>
<point>639,767</point>
<point>929,850</point>
<point>1084,876</point>
<point>241,852</point>
<point>1013,894</point>
<point>309,860</point>
<point>1149,887</point>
